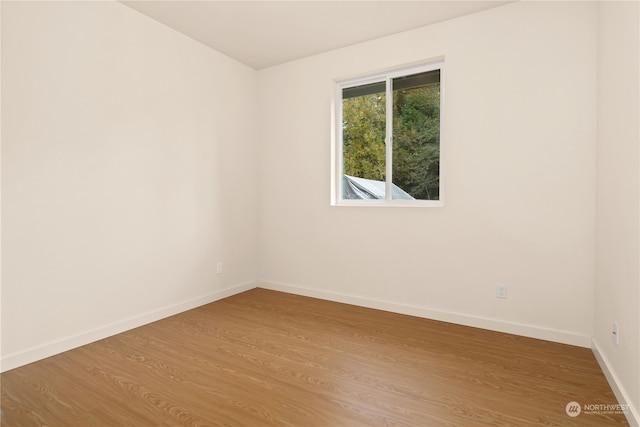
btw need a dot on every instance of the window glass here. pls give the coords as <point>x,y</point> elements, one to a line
<point>363,133</point>
<point>416,135</point>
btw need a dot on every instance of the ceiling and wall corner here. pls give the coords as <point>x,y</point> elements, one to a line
<point>266,33</point>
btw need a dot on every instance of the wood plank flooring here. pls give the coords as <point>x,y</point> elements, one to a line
<point>265,358</point>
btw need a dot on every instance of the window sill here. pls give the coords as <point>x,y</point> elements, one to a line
<point>391,203</point>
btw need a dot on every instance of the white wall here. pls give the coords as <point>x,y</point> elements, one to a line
<point>128,171</point>
<point>617,294</point>
<point>519,167</point>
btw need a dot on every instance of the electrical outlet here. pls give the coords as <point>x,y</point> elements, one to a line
<point>501,291</point>
<point>219,268</point>
<point>615,333</point>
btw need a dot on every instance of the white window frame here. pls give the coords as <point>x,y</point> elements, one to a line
<point>337,146</point>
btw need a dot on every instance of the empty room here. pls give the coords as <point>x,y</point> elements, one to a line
<point>320,213</point>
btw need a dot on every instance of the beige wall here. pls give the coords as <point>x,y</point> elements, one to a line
<point>519,167</point>
<point>128,171</point>
<point>617,292</point>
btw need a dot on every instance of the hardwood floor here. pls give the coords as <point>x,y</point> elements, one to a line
<point>265,358</point>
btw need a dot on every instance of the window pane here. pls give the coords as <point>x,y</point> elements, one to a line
<point>416,136</point>
<point>363,134</point>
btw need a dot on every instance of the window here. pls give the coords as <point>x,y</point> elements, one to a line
<point>388,139</point>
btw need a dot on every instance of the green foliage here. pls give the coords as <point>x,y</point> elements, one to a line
<point>363,136</point>
<point>416,139</point>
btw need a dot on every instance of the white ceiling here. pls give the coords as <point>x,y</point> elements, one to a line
<point>265,33</point>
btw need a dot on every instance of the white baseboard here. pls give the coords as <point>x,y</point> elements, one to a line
<point>52,348</point>
<point>633,416</point>
<point>554,335</point>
